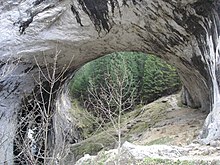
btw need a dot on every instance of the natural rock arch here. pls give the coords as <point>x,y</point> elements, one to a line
<point>184,33</point>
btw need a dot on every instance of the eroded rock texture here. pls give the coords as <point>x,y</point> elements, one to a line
<point>183,32</point>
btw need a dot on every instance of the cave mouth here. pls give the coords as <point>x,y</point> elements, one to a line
<point>45,113</point>
<point>156,97</point>
<point>135,80</point>
<point>41,123</point>
<point>188,38</point>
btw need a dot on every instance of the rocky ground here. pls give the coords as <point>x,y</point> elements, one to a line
<point>163,132</point>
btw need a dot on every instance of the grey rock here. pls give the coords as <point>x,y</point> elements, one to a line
<point>215,143</point>
<point>177,31</point>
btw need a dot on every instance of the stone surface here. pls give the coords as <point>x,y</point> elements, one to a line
<point>155,154</point>
<point>34,30</point>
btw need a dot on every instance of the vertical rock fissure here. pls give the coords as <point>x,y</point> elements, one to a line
<point>211,127</point>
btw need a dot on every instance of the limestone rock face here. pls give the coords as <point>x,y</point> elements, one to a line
<point>36,34</point>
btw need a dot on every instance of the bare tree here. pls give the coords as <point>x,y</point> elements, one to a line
<point>35,129</point>
<point>113,97</point>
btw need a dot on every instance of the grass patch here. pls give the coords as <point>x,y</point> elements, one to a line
<point>153,161</point>
<point>84,120</point>
<point>93,145</point>
<point>148,116</point>
<point>162,140</point>
<point>139,128</point>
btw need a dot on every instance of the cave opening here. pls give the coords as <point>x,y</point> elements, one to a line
<point>94,91</point>
<point>180,32</point>
<point>152,111</point>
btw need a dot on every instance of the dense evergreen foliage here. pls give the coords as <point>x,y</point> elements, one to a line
<point>148,77</point>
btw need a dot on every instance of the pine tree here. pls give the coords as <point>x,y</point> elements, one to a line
<point>151,77</point>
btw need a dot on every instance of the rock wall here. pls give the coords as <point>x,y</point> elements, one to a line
<point>184,33</point>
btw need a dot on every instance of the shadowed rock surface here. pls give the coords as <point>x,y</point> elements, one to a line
<point>184,33</point>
